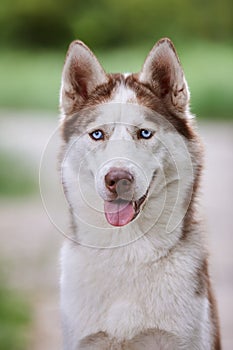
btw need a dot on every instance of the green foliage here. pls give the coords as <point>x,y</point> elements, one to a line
<point>208,69</point>
<point>104,23</point>
<point>14,319</point>
<point>34,82</point>
<point>15,176</point>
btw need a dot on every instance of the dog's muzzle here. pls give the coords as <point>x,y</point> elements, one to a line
<point>121,209</point>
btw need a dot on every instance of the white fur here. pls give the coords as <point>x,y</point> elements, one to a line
<point>123,95</point>
<point>126,290</point>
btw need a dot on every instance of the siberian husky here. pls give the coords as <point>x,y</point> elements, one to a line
<point>135,266</point>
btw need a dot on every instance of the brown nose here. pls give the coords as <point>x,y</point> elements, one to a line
<point>118,181</point>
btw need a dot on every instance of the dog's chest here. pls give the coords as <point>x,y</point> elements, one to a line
<point>124,299</point>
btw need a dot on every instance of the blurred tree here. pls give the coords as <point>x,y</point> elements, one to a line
<point>50,23</point>
<point>34,23</point>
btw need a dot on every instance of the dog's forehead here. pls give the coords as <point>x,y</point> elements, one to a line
<point>122,107</point>
<point>120,113</point>
<point>128,113</point>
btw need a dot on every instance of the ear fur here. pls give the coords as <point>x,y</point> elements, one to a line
<point>82,73</point>
<point>163,72</point>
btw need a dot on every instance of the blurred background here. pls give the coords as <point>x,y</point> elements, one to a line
<point>34,37</point>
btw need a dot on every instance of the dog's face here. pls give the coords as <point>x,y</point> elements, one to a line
<point>127,137</point>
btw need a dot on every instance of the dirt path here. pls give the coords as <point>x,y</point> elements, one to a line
<point>29,243</point>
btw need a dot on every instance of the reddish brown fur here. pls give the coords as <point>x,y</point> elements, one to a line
<point>145,96</point>
<point>214,317</point>
<point>204,288</point>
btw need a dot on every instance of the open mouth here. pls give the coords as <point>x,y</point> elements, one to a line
<point>120,212</point>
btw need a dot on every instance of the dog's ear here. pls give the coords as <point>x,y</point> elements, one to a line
<point>163,72</point>
<point>82,73</point>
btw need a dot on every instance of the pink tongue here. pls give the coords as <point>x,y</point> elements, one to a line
<point>119,213</point>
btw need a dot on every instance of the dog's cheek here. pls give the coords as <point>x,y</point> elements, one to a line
<point>148,165</point>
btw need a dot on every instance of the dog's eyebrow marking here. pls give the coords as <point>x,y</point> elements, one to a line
<point>171,123</point>
<point>78,122</point>
<point>154,118</point>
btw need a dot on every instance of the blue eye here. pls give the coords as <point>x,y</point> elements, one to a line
<point>145,134</point>
<point>97,135</point>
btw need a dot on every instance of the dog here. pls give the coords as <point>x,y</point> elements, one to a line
<point>135,263</point>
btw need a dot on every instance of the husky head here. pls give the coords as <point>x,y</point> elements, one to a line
<point>130,159</point>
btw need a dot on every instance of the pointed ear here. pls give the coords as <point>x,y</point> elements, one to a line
<point>163,72</point>
<point>82,73</point>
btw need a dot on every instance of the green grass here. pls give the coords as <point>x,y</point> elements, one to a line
<point>15,176</point>
<point>31,80</point>
<point>14,319</point>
